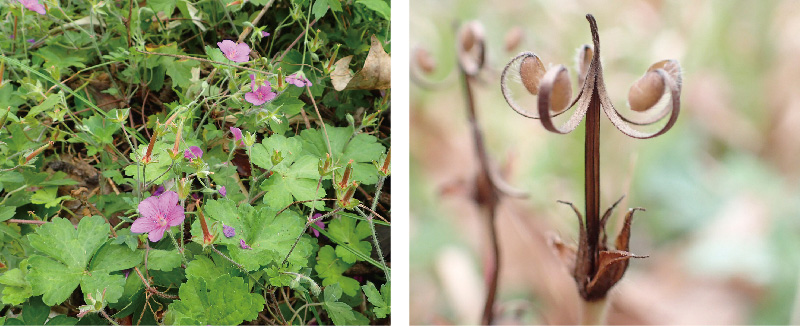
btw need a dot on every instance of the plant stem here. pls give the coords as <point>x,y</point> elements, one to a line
<point>592,176</point>
<point>492,272</point>
<point>594,312</point>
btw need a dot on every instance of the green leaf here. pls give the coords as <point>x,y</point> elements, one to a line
<point>48,197</point>
<point>362,149</point>
<point>294,178</point>
<point>113,257</point>
<point>379,6</point>
<point>349,234</point>
<point>67,253</point>
<point>127,238</point>
<point>218,300</point>
<point>340,312</point>
<point>7,212</point>
<point>35,312</point>
<point>62,320</point>
<point>47,104</point>
<point>320,8</point>
<point>335,5</point>
<point>163,260</point>
<point>381,300</point>
<point>269,236</point>
<point>17,289</point>
<point>330,268</point>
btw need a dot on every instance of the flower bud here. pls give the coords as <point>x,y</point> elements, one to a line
<point>249,139</point>
<point>325,165</point>
<point>276,157</point>
<point>646,91</point>
<point>531,71</point>
<point>184,187</point>
<point>346,175</point>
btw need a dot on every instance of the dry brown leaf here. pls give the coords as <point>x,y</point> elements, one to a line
<point>376,73</point>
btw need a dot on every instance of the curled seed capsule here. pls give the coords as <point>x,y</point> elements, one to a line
<point>424,60</point>
<point>672,67</point>
<point>531,71</point>
<point>561,93</point>
<point>646,91</point>
<point>513,38</point>
<point>585,54</point>
<point>467,36</point>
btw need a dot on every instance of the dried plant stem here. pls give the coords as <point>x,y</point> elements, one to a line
<point>594,312</point>
<point>592,176</point>
<point>487,199</point>
<point>107,317</point>
<point>492,272</point>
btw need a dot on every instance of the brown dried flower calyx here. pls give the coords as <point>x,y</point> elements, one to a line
<point>595,267</point>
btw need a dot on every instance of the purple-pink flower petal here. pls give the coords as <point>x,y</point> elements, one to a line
<point>159,191</point>
<point>222,191</point>
<point>235,52</point>
<point>260,96</point>
<point>228,231</point>
<point>264,34</point>
<point>237,134</point>
<point>157,213</point>
<point>193,152</point>
<point>33,5</point>
<point>243,244</point>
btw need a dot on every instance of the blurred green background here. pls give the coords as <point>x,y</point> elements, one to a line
<point>722,225</point>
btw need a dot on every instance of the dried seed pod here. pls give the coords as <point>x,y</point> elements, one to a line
<point>531,71</point>
<point>646,91</point>
<point>672,67</point>
<point>585,54</point>
<point>424,60</point>
<point>560,93</point>
<point>513,38</point>
<point>471,47</point>
<point>467,35</point>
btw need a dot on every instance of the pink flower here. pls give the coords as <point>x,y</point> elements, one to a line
<point>243,244</point>
<point>236,52</point>
<point>222,191</point>
<point>159,191</point>
<point>264,34</point>
<point>319,223</point>
<point>237,134</point>
<point>298,79</point>
<point>193,152</point>
<point>33,5</point>
<point>157,214</point>
<point>261,95</point>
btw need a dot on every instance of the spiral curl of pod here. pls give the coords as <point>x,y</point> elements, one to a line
<point>471,47</point>
<point>644,95</point>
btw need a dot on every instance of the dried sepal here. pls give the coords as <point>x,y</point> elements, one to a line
<point>584,59</point>
<point>646,91</point>
<point>424,60</point>
<point>471,47</point>
<point>513,38</point>
<point>596,268</point>
<point>556,89</point>
<point>531,72</point>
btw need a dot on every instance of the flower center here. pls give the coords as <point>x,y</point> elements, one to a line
<point>161,220</point>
